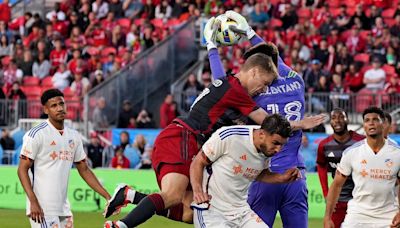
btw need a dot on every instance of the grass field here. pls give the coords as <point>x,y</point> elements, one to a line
<point>17,219</point>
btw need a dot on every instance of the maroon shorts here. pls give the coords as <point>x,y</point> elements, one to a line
<point>339,214</point>
<point>174,150</point>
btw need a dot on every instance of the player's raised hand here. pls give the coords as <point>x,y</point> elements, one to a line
<point>210,32</point>
<point>396,221</point>
<point>200,197</point>
<point>36,214</point>
<point>312,121</point>
<point>243,27</point>
<point>328,223</point>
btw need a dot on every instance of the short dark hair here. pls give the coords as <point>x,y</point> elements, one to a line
<point>276,124</point>
<point>48,94</point>
<point>337,109</point>
<point>376,110</point>
<point>268,49</point>
<point>388,117</point>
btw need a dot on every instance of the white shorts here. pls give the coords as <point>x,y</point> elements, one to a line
<point>364,225</point>
<point>54,222</point>
<point>214,218</point>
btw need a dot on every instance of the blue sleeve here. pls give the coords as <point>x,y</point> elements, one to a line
<point>217,70</point>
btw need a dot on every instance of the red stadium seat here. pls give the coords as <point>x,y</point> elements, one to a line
<point>334,12</point>
<point>351,10</point>
<point>108,50</point>
<point>5,60</point>
<point>34,107</point>
<point>47,82</point>
<point>389,21</point>
<point>68,92</point>
<point>362,57</point>
<point>275,23</point>
<point>364,34</point>
<point>31,81</point>
<point>390,70</point>
<point>92,51</point>
<point>74,107</point>
<point>157,22</point>
<point>388,13</point>
<point>304,13</point>
<point>32,91</point>
<point>124,23</point>
<point>334,3</point>
<point>172,22</point>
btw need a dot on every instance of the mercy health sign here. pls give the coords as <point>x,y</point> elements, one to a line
<point>83,198</point>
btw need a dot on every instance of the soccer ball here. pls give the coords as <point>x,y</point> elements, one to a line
<point>225,36</point>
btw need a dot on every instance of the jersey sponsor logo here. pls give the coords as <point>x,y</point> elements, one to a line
<point>237,169</point>
<point>217,83</point>
<point>243,157</point>
<point>251,173</point>
<point>53,143</point>
<point>63,155</point>
<point>293,86</point>
<point>364,173</point>
<point>389,162</point>
<point>381,174</point>
<point>331,155</point>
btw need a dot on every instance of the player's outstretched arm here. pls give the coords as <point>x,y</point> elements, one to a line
<point>210,30</point>
<point>25,164</point>
<point>196,178</point>
<point>333,196</point>
<point>276,178</point>
<point>89,177</point>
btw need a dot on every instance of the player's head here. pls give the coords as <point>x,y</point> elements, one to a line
<point>387,124</point>
<point>258,71</point>
<point>54,104</point>
<point>373,118</point>
<point>273,134</point>
<point>268,49</point>
<point>339,121</point>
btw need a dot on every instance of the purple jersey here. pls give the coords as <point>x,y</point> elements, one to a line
<point>286,97</point>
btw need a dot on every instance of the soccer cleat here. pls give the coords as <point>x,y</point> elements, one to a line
<point>110,224</point>
<point>118,200</point>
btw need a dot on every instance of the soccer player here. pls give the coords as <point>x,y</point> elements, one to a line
<point>374,164</point>
<point>330,152</point>
<point>386,127</point>
<point>284,96</point>
<point>48,152</point>
<point>176,145</point>
<point>229,161</point>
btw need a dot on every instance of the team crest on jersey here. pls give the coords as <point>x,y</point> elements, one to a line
<point>217,83</point>
<point>389,162</point>
<point>71,144</point>
<point>292,74</point>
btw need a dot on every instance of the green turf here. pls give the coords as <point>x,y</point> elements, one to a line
<point>17,219</point>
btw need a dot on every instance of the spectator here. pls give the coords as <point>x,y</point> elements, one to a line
<point>5,11</point>
<point>99,117</point>
<point>344,58</point>
<point>124,139</point>
<point>342,20</point>
<point>16,93</point>
<point>395,29</point>
<point>374,13</point>
<point>146,157</point>
<point>163,10</point>
<point>148,37</point>
<point>115,7</point>
<point>322,53</point>
<point>26,64</point>
<point>393,86</point>
<point>377,28</point>
<point>374,79</point>
<point>258,16</point>
<point>83,15</point>
<point>76,38</point>
<point>98,78</point>
<point>206,78</point>
<point>95,151</point>
<point>58,55</point>
<point>289,17</point>
<point>109,64</point>
<point>327,25</point>
<point>360,14</point>
<point>62,77</point>
<point>139,144</point>
<point>248,8</point>
<point>191,90</point>
<point>355,42</point>
<point>11,74</point>
<point>109,22</point>
<point>100,8</point>
<point>126,115</point>
<point>149,10</point>
<point>354,78</point>
<point>5,47</point>
<point>8,145</point>
<point>312,75</point>
<point>119,161</point>
<point>74,21</point>
<point>177,9</point>
<point>117,37</point>
<point>41,67</point>
<point>391,57</point>
<point>144,120</point>
<point>211,8</point>
<point>167,114</point>
<point>132,8</point>
<point>132,36</point>
<point>80,86</point>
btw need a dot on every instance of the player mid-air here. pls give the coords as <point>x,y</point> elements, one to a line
<point>284,96</point>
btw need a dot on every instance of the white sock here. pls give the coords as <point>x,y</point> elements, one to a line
<point>121,224</point>
<point>131,195</point>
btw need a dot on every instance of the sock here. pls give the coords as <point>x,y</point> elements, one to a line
<point>147,207</point>
<point>121,224</point>
<point>135,197</point>
<point>174,213</point>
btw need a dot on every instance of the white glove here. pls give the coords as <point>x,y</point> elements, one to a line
<point>243,27</point>
<point>210,33</point>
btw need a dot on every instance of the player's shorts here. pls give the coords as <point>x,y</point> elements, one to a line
<point>339,214</point>
<point>174,150</point>
<point>371,221</point>
<point>214,218</point>
<point>289,199</point>
<point>54,222</point>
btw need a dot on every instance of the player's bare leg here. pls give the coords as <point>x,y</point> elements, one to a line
<point>173,190</point>
<point>187,215</point>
